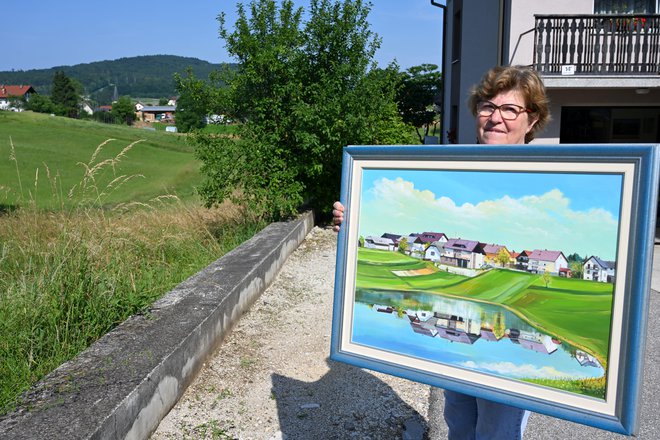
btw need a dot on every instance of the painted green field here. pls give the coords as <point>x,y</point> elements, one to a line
<point>50,152</point>
<point>575,310</point>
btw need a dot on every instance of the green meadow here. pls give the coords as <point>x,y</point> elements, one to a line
<point>574,310</point>
<point>52,155</point>
<point>92,231</point>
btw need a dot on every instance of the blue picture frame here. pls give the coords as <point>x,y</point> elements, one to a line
<point>397,316</point>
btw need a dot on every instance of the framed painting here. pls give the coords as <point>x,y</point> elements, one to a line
<point>519,274</point>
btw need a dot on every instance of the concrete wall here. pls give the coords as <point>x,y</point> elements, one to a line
<point>125,383</point>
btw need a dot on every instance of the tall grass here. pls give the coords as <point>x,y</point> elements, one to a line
<point>70,276</point>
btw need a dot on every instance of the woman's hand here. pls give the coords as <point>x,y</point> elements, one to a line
<point>337,215</point>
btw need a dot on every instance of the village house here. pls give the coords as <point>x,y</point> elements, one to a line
<point>541,261</point>
<point>463,253</point>
<point>521,259</point>
<point>383,244</point>
<point>490,254</point>
<point>157,113</point>
<point>434,251</point>
<point>418,243</point>
<point>595,269</point>
<point>12,95</point>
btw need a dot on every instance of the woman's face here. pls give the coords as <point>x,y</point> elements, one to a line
<point>495,130</point>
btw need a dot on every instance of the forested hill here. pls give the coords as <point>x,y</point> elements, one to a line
<point>139,77</point>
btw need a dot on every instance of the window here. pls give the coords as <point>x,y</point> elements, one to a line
<point>625,6</point>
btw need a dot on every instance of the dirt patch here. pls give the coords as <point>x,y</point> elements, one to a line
<point>414,272</point>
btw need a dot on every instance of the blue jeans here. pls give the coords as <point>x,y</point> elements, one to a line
<point>472,418</point>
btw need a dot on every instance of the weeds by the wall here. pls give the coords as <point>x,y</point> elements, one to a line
<point>68,277</point>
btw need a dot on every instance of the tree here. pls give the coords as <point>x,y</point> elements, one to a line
<point>403,245</point>
<point>65,95</point>
<point>361,241</point>
<point>124,110</point>
<point>546,278</point>
<point>302,90</point>
<point>41,104</point>
<point>193,105</point>
<point>420,88</point>
<point>503,257</point>
<point>577,269</point>
<point>163,101</point>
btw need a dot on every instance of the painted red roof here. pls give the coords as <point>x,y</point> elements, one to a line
<point>7,91</point>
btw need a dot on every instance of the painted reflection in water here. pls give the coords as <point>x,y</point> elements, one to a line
<point>472,335</point>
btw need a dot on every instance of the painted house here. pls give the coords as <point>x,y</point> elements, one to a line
<point>457,329</point>
<point>490,253</point>
<point>418,243</point>
<point>533,341</point>
<point>434,251</point>
<point>394,237</point>
<point>522,260</point>
<point>384,244</point>
<point>11,95</point>
<point>463,253</point>
<point>544,260</point>
<point>599,60</point>
<point>595,269</point>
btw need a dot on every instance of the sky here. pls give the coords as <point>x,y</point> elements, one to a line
<point>38,34</point>
<point>565,212</point>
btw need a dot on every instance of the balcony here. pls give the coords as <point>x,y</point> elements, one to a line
<point>603,45</point>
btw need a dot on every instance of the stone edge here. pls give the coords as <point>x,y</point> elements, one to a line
<point>126,382</point>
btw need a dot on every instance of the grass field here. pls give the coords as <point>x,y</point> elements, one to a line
<point>50,151</point>
<point>575,310</point>
<point>73,268</point>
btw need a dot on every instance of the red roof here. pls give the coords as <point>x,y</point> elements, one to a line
<point>7,91</point>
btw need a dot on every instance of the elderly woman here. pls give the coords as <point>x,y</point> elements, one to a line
<point>510,106</point>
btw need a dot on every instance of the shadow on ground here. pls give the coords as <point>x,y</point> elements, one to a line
<point>346,403</point>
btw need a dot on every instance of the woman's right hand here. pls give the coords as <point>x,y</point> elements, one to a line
<point>337,215</point>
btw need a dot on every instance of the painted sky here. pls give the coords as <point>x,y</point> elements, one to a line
<point>565,212</point>
<point>40,34</point>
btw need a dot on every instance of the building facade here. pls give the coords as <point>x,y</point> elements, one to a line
<point>599,59</point>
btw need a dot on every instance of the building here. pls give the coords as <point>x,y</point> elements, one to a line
<point>12,95</point>
<point>595,269</point>
<point>541,261</point>
<point>156,113</point>
<point>467,254</point>
<point>599,60</point>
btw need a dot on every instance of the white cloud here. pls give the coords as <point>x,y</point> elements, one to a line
<point>544,221</point>
<point>510,369</point>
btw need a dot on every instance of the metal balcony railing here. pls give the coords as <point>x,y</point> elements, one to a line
<point>597,44</point>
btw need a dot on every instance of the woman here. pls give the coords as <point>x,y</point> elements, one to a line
<point>510,106</point>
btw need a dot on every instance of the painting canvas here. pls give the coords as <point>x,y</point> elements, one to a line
<point>511,273</point>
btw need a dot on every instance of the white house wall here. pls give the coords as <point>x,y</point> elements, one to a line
<point>520,49</point>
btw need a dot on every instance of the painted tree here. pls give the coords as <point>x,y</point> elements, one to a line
<point>577,269</point>
<point>546,278</point>
<point>403,245</point>
<point>502,257</point>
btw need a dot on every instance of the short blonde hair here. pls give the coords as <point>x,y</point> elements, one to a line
<point>523,79</point>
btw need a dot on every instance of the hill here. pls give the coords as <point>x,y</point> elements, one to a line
<point>50,152</point>
<point>148,76</point>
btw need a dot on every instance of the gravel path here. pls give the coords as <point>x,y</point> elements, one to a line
<point>272,379</point>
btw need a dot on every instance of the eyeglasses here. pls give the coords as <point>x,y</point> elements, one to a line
<point>509,112</point>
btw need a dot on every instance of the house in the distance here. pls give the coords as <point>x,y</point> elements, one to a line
<point>595,269</point>
<point>383,244</point>
<point>12,95</point>
<point>418,243</point>
<point>541,261</point>
<point>157,113</point>
<point>467,254</point>
<point>490,253</point>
